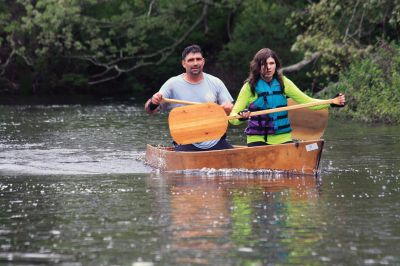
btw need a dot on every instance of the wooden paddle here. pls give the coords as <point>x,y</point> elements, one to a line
<point>307,124</point>
<point>208,121</point>
<point>168,100</point>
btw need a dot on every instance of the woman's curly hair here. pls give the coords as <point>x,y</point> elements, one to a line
<point>259,60</point>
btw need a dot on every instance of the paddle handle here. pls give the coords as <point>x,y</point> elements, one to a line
<point>286,108</point>
<point>168,100</point>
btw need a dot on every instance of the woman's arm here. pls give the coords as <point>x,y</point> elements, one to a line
<point>242,102</point>
<point>292,91</point>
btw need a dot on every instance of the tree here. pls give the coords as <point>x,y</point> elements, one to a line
<point>106,38</point>
<point>372,85</point>
<point>257,24</point>
<point>342,31</point>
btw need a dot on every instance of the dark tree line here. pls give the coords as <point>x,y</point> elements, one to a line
<point>121,47</point>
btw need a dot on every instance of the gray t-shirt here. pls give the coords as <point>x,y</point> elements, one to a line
<point>210,89</point>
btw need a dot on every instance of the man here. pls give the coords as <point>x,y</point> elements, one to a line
<point>196,86</point>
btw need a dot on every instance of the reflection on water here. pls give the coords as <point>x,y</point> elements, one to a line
<point>170,219</point>
<point>74,190</point>
<point>250,220</point>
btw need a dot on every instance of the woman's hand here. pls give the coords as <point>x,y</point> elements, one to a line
<point>245,114</point>
<point>340,100</point>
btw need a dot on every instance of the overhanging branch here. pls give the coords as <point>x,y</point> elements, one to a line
<point>300,65</point>
<point>140,61</point>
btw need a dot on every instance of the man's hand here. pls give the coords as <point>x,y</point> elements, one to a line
<point>227,107</point>
<point>157,98</point>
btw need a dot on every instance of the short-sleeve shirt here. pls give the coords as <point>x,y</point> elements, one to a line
<point>210,89</point>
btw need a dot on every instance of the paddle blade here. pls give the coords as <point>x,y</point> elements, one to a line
<point>196,123</point>
<point>307,124</point>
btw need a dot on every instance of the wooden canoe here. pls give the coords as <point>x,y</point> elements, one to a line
<point>300,157</point>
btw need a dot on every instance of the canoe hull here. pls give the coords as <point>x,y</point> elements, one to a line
<point>300,157</point>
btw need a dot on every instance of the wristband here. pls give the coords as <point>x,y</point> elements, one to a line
<point>153,106</point>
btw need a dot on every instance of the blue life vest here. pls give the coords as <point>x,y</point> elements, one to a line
<point>270,96</point>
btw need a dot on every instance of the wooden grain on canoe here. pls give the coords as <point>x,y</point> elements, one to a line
<point>301,157</point>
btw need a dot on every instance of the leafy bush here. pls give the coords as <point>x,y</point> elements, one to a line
<point>74,79</point>
<point>372,86</point>
<point>258,24</point>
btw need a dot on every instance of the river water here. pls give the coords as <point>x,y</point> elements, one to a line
<point>74,190</point>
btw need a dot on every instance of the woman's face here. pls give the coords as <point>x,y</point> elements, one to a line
<point>268,69</point>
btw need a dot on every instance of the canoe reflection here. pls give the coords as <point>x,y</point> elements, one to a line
<point>210,215</point>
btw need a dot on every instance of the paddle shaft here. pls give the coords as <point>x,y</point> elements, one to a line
<point>168,100</point>
<point>286,108</point>
<point>262,112</point>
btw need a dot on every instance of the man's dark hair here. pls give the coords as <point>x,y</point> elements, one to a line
<point>191,49</point>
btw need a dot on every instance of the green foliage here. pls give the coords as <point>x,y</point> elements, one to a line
<point>258,24</point>
<point>114,37</point>
<point>102,30</point>
<point>372,86</point>
<point>135,87</point>
<point>53,46</point>
<point>343,31</point>
<point>74,79</point>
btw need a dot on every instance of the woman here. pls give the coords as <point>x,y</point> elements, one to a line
<point>266,88</point>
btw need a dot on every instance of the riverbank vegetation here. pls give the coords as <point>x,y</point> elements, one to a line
<point>130,47</point>
<point>372,86</point>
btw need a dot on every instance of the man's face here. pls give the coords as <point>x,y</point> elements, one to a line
<point>193,63</point>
